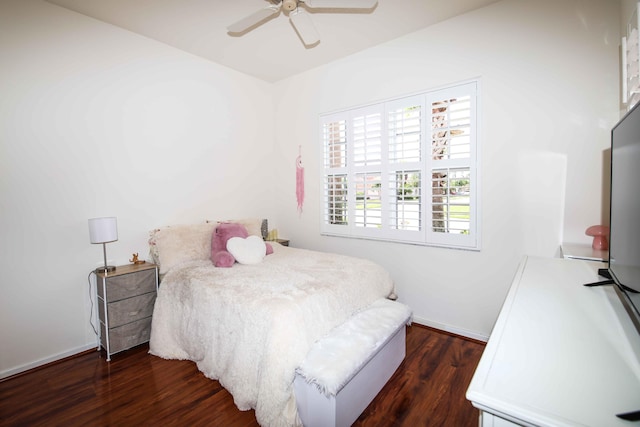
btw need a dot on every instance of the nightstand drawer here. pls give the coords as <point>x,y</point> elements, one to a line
<point>128,335</point>
<point>128,310</point>
<point>128,285</point>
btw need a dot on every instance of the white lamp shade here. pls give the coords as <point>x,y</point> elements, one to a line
<point>103,230</point>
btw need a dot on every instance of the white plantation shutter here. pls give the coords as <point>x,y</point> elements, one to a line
<point>452,215</point>
<point>405,202</point>
<point>368,211</point>
<point>405,119</point>
<point>630,56</point>
<point>366,132</point>
<point>334,135</point>
<point>335,191</point>
<point>365,135</point>
<point>404,170</point>
<point>336,202</point>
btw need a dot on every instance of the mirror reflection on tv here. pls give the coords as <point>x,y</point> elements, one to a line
<point>624,242</point>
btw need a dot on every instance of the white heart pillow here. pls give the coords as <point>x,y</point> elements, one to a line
<point>247,251</point>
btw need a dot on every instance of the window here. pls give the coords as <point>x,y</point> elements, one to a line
<point>405,169</point>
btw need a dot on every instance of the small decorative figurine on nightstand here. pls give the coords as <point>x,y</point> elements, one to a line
<point>135,259</point>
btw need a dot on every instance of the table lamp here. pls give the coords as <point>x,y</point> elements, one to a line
<point>103,230</point>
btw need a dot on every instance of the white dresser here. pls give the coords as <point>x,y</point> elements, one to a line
<point>560,354</point>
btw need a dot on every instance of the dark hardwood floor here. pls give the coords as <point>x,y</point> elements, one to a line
<point>136,388</point>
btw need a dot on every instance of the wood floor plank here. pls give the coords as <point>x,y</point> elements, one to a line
<point>136,388</point>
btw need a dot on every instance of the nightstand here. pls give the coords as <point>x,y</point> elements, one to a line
<point>283,242</point>
<point>125,305</point>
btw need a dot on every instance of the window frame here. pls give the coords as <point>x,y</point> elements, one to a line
<point>425,166</point>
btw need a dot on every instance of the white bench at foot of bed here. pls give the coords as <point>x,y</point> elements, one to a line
<point>345,370</point>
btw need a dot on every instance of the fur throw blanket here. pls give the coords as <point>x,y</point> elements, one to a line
<point>251,326</point>
<point>335,359</point>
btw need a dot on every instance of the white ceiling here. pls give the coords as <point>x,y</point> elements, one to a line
<point>271,51</point>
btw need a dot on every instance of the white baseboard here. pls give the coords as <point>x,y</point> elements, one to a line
<point>448,328</point>
<point>419,320</point>
<point>37,363</point>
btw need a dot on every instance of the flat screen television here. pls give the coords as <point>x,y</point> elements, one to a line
<point>624,241</point>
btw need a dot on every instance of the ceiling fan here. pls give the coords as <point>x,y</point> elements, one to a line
<point>300,19</point>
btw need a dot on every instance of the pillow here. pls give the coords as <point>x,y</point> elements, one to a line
<point>254,226</point>
<point>170,246</point>
<point>220,256</point>
<point>250,250</point>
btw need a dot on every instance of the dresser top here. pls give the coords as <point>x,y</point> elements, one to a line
<point>560,353</point>
<point>126,269</point>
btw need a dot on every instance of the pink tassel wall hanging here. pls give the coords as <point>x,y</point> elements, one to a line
<point>299,180</point>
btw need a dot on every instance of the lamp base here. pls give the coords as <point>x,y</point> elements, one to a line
<point>105,269</point>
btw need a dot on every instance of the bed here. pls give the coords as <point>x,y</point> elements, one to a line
<point>251,327</point>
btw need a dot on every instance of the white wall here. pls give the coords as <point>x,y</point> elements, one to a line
<point>550,79</point>
<point>98,121</point>
<point>95,120</point>
<point>628,8</point>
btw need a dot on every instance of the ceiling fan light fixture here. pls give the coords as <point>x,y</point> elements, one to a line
<point>290,5</point>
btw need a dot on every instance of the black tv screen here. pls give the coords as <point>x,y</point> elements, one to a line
<point>624,242</point>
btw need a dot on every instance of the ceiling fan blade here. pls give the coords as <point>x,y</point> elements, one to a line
<point>253,19</point>
<point>341,4</point>
<point>303,24</point>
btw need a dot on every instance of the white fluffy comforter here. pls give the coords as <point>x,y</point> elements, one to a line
<point>251,326</point>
